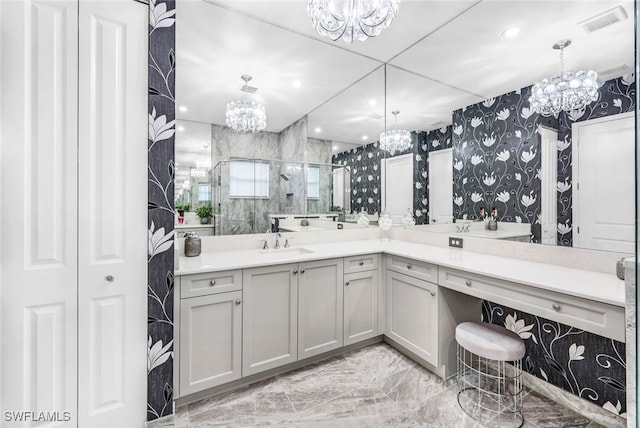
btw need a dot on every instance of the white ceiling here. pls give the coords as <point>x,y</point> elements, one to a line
<point>441,56</point>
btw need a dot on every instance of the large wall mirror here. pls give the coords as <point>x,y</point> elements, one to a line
<point>461,86</point>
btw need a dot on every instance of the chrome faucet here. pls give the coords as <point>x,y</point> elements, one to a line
<point>278,236</point>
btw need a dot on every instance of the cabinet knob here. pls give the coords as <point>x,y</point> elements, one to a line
<point>238,301</point>
<point>346,283</point>
<point>295,272</point>
<point>361,263</point>
<point>433,293</point>
<point>302,271</point>
<point>408,266</point>
<point>556,307</point>
<point>109,278</point>
<point>212,282</point>
<point>468,283</point>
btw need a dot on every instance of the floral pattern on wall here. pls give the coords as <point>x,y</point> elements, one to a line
<point>426,142</point>
<point>496,159</point>
<point>616,96</point>
<point>365,163</point>
<point>587,365</point>
<point>161,208</point>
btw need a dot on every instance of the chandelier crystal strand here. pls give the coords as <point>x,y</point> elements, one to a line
<point>395,140</point>
<point>351,20</point>
<point>245,115</point>
<point>566,91</point>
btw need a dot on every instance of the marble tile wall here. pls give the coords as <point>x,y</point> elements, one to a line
<point>631,317</point>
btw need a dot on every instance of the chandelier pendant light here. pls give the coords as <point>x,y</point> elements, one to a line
<point>395,140</point>
<point>566,91</point>
<point>246,115</point>
<point>351,20</point>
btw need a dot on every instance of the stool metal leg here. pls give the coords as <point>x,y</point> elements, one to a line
<point>489,391</point>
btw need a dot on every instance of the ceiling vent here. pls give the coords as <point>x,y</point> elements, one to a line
<point>617,71</point>
<point>375,115</point>
<point>604,19</point>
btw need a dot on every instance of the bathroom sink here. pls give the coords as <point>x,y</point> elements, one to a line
<point>284,252</point>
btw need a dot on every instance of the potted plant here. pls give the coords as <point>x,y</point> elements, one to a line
<point>204,212</point>
<point>181,209</point>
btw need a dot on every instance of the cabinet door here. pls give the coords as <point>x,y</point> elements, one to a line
<point>320,307</point>
<point>210,341</point>
<point>270,318</point>
<point>360,306</point>
<point>412,314</point>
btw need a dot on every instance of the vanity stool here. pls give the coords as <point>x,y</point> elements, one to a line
<point>489,389</point>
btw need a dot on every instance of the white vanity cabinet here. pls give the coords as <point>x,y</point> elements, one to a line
<point>412,313</point>
<point>270,317</point>
<point>360,298</point>
<point>320,307</point>
<point>211,341</point>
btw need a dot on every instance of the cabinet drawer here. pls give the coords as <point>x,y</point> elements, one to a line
<point>416,269</point>
<point>361,263</point>
<point>596,317</point>
<point>210,283</point>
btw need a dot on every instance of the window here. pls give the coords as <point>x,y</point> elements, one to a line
<point>313,182</point>
<point>204,193</point>
<point>248,179</point>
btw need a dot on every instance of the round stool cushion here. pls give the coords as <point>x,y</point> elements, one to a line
<point>490,341</point>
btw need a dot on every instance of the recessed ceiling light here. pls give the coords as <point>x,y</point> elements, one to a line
<point>372,102</point>
<point>364,137</point>
<point>335,147</point>
<point>183,108</point>
<point>180,128</point>
<point>510,33</point>
<point>318,130</point>
<point>296,83</point>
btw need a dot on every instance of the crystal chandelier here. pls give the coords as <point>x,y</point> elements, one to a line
<point>566,91</point>
<point>351,19</point>
<point>244,115</point>
<point>395,140</point>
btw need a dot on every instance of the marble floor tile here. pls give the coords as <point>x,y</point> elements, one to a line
<point>370,387</point>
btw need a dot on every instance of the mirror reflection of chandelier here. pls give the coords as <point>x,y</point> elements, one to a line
<point>351,20</point>
<point>245,115</point>
<point>204,164</point>
<point>566,91</point>
<point>395,140</point>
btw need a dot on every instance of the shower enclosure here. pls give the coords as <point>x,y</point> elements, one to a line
<point>247,192</point>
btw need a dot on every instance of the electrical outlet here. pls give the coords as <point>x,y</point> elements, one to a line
<point>455,242</point>
<point>340,226</point>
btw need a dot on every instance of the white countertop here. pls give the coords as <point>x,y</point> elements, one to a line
<point>601,287</point>
<point>192,226</point>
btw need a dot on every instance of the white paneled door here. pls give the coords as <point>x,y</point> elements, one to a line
<point>73,212</point>
<point>397,186</point>
<point>441,186</point>
<point>603,193</point>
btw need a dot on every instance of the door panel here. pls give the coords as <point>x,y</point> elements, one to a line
<point>38,199</point>
<point>604,203</point>
<point>112,199</point>
<point>360,306</point>
<point>320,307</point>
<point>441,186</point>
<point>397,186</point>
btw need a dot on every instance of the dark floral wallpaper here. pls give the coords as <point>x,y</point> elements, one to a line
<point>364,163</point>
<point>587,365</point>
<point>616,96</point>
<point>427,142</point>
<point>496,159</point>
<point>161,209</point>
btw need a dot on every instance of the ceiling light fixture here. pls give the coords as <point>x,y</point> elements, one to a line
<point>372,102</point>
<point>296,83</point>
<point>180,128</point>
<point>395,140</point>
<point>510,33</point>
<point>183,108</point>
<point>566,91</point>
<point>245,115</point>
<point>318,130</point>
<point>351,20</point>
<point>365,138</point>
